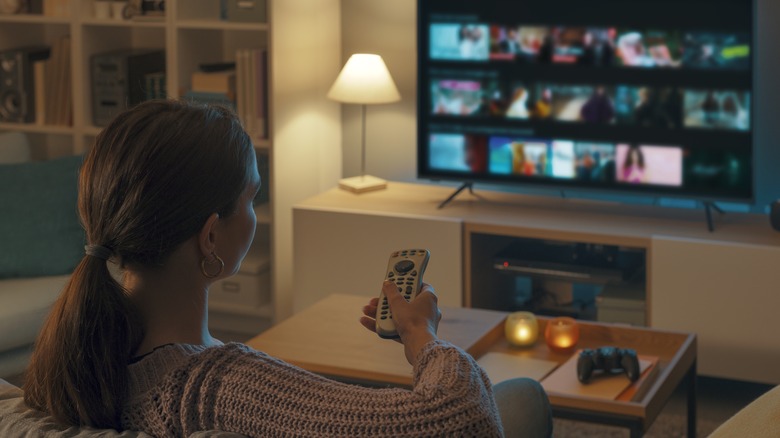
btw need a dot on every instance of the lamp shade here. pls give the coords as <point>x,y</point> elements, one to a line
<point>366,80</point>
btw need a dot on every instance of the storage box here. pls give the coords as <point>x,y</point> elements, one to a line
<point>252,11</point>
<point>250,287</point>
<point>242,289</point>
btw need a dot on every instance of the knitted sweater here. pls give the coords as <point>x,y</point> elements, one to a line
<point>180,389</point>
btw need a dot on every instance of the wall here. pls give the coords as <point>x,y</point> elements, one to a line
<point>389,29</point>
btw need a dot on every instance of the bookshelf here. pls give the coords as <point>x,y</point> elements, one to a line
<point>302,41</point>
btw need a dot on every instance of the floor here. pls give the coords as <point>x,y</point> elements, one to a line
<point>718,399</point>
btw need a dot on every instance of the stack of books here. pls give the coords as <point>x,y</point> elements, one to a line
<point>252,89</point>
<point>51,82</point>
<point>154,86</point>
<point>214,84</point>
<point>242,85</point>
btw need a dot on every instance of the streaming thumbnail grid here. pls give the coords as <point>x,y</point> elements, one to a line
<point>592,162</point>
<point>590,45</point>
<point>657,107</point>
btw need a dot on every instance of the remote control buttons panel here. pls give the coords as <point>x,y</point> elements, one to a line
<point>405,269</point>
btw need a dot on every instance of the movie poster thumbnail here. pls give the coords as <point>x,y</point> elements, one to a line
<point>518,156</point>
<point>583,45</point>
<point>714,170</point>
<point>651,165</point>
<point>652,107</point>
<point>458,152</point>
<point>460,42</point>
<point>582,103</point>
<point>583,161</point>
<point>466,97</point>
<point>715,109</point>
<point>710,50</point>
<point>649,48</point>
<point>527,44</point>
<point>528,102</point>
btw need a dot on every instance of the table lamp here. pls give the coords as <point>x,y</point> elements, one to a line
<point>364,80</point>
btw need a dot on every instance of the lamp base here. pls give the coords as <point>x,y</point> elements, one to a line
<point>361,184</point>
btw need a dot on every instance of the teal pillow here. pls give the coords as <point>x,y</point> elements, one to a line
<point>40,232</point>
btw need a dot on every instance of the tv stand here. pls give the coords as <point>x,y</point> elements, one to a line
<point>469,185</point>
<point>707,206</point>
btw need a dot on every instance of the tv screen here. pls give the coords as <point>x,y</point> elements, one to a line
<point>646,96</point>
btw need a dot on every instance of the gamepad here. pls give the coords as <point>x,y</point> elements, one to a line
<point>607,359</point>
<point>406,268</point>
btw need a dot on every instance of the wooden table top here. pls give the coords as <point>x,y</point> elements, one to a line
<point>327,338</point>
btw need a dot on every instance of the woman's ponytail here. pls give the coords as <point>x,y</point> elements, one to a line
<point>78,371</point>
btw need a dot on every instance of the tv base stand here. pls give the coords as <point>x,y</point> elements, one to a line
<point>707,206</point>
<point>463,186</point>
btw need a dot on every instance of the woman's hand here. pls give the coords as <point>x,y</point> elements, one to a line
<point>416,321</point>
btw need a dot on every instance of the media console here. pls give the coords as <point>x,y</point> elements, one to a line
<point>721,285</point>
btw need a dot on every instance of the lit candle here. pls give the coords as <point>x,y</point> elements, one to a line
<point>562,334</point>
<point>521,329</point>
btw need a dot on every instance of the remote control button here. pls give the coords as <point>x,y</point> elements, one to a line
<point>383,317</point>
<point>400,289</point>
<point>413,273</point>
<point>404,266</point>
<point>390,274</point>
<point>409,289</point>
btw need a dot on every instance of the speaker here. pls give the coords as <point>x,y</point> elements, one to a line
<point>774,215</point>
<point>17,91</point>
<point>119,80</point>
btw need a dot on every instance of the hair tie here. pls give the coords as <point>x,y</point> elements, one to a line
<point>98,251</point>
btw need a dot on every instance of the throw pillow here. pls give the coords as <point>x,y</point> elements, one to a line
<point>39,225</point>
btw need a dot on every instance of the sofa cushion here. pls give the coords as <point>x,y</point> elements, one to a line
<point>25,303</point>
<point>17,420</point>
<point>759,419</point>
<point>40,228</point>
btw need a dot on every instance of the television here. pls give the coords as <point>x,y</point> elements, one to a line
<point>648,97</point>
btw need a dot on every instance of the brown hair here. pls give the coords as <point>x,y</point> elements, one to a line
<point>152,178</point>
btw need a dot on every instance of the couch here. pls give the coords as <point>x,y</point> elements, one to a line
<point>759,419</point>
<point>41,243</point>
<point>17,420</point>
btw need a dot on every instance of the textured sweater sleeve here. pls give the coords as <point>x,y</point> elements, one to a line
<point>234,388</point>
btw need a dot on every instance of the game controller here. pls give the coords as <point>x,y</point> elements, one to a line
<point>608,359</point>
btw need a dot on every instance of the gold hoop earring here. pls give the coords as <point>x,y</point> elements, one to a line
<point>205,261</point>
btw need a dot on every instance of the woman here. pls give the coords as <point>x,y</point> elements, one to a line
<point>166,193</point>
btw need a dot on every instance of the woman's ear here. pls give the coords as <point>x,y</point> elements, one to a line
<point>207,237</point>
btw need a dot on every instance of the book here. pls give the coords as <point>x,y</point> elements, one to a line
<point>615,386</point>
<point>39,87</point>
<point>502,366</point>
<point>58,108</point>
<point>252,90</point>
<point>218,81</point>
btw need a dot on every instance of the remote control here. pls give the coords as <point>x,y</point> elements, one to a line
<point>406,268</point>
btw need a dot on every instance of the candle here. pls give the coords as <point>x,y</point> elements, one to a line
<point>562,334</point>
<point>521,329</point>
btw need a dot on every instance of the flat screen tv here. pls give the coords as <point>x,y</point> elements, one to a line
<point>653,97</point>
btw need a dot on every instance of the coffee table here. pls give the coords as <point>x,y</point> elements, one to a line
<point>327,339</point>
